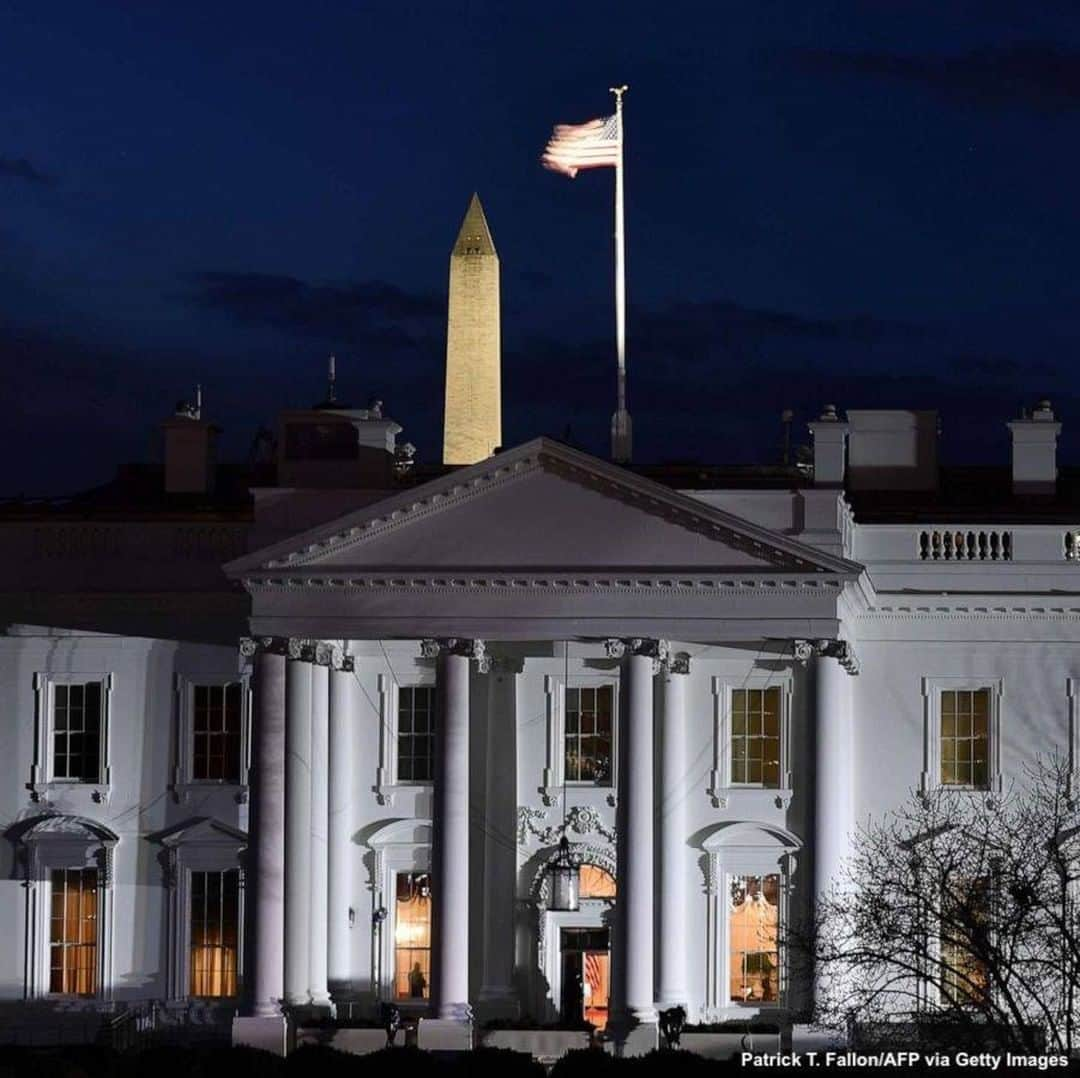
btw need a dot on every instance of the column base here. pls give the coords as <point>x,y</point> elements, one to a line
<point>635,1039</point>
<point>445,1034</point>
<point>500,1002</point>
<point>271,1034</point>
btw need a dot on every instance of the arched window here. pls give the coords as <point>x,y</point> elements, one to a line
<point>595,882</point>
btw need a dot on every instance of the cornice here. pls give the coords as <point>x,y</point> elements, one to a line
<point>970,612</point>
<point>511,585</point>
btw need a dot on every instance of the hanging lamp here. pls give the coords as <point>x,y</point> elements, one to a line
<point>564,880</point>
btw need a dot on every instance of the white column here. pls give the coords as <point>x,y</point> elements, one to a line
<point>343,766</point>
<point>834,774</point>
<point>674,873</point>
<point>265,885</point>
<point>450,856</point>
<point>500,840</point>
<point>297,830</point>
<point>634,908</point>
<point>320,812</point>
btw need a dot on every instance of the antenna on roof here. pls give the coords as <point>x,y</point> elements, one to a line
<point>331,378</point>
<point>198,401</point>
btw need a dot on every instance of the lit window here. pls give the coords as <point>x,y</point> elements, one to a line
<point>755,737</point>
<point>753,929</point>
<point>588,734</point>
<point>416,734</point>
<point>215,919</point>
<point>216,733</point>
<point>412,936</point>
<point>594,882</point>
<point>76,730</point>
<point>73,932</point>
<point>965,924</point>
<point>965,717</point>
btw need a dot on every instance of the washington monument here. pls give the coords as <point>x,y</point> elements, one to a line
<point>473,417</point>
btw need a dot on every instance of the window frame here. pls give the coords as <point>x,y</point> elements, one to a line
<point>932,688</point>
<point>553,778</point>
<point>201,845</point>
<point>609,781</point>
<point>184,783</point>
<point>387,782</point>
<point>43,779</point>
<point>391,892</point>
<point>65,842</point>
<point>397,846</point>
<point>721,786</point>
<point>736,850</point>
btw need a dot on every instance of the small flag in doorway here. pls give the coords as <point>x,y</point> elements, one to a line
<point>576,146</point>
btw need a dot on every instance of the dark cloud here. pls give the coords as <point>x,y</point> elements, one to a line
<point>1035,75</point>
<point>19,168</point>
<point>371,312</point>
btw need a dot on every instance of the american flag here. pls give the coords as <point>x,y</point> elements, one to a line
<point>576,146</point>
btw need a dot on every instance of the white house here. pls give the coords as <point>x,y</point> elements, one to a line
<point>316,747</point>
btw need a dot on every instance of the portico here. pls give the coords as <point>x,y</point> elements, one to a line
<point>485,574</point>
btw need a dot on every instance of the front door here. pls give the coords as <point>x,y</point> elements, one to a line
<point>586,963</point>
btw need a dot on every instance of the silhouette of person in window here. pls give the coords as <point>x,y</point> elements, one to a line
<point>417,982</point>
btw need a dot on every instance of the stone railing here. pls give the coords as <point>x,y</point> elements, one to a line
<point>966,544</point>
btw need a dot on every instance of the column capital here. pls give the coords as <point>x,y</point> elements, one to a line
<point>618,647</point>
<point>332,653</point>
<point>432,648</point>
<point>840,650</point>
<point>677,662</point>
<point>250,646</point>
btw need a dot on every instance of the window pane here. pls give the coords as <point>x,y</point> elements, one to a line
<point>215,914</point>
<point>753,932</point>
<point>755,737</point>
<point>412,936</point>
<point>416,734</point>
<point>73,931</point>
<point>587,734</point>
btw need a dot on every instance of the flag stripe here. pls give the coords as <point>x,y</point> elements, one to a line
<point>595,144</point>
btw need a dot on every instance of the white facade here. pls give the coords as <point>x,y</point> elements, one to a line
<point>506,588</point>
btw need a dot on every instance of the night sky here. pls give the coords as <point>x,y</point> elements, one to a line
<point>871,204</point>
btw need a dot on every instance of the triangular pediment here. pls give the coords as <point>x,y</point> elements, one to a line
<point>541,507</point>
<point>201,831</point>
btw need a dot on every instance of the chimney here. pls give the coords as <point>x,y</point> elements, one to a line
<point>830,448</point>
<point>190,450</point>
<point>1034,451</point>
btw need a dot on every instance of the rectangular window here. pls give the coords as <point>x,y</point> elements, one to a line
<point>588,734</point>
<point>412,936</point>
<point>755,737</point>
<point>416,734</point>
<point>76,731</point>
<point>753,933</point>
<point>216,733</point>
<point>965,718</point>
<point>965,924</point>
<point>73,932</point>
<point>215,920</point>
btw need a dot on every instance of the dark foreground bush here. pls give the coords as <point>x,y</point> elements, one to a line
<point>504,1062</point>
<point>583,1063</point>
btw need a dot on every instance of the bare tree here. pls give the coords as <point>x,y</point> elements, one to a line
<point>957,914</point>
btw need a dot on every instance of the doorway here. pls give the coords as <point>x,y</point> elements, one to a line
<point>586,981</point>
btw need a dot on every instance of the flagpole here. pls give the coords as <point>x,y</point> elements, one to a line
<point>621,429</point>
